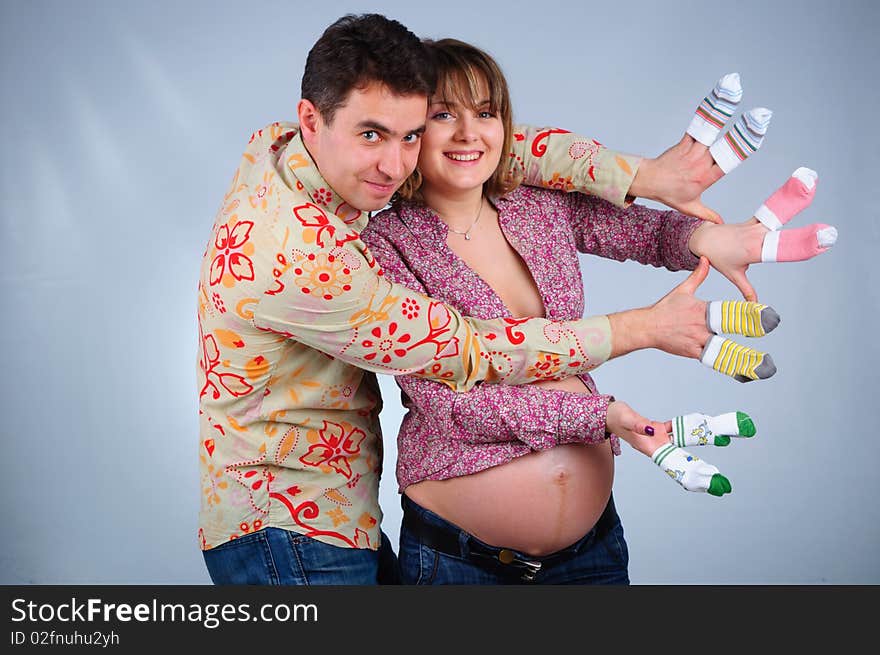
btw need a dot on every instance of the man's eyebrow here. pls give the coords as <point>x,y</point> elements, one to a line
<point>378,127</point>
<point>373,125</point>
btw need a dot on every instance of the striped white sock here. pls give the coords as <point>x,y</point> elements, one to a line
<point>743,139</point>
<point>716,109</point>
<point>690,472</point>
<point>701,429</point>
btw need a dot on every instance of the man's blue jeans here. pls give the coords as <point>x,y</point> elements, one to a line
<point>273,556</point>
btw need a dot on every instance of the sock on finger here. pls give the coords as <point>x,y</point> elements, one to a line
<point>716,109</point>
<point>743,139</point>
<point>798,244</point>
<point>750,319</point>
<point>742,363</point>
<point>789,199</point>
<point>690,472</point>
<point>701,429</point>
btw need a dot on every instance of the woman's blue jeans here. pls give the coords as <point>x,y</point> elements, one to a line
<point>599,557</point>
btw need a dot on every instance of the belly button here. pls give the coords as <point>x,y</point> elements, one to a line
<point>560,475</point>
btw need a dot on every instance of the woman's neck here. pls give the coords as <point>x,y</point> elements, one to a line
<point>457,209</point>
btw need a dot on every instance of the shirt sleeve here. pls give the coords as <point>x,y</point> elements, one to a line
<point>557,159</point>
<point>329,294</point>
<point>541,418</point>
<point>650,236</point>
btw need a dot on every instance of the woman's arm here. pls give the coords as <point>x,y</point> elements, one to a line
<point>650,236</point>
<point>540,418</point>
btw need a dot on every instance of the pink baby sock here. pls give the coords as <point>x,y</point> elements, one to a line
<point>801,243</point>
<point>791,198</point>
<point>798,244</point>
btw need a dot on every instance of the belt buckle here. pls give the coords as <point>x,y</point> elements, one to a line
<point>506,556</point>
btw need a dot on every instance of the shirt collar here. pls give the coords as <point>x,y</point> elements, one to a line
<point>300,172</point>
<point>424,221</point>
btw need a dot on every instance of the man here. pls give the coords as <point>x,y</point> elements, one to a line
<point>292,309</point>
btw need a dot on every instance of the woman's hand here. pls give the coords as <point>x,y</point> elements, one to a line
<point>640,433</point>
<point>730,248</point>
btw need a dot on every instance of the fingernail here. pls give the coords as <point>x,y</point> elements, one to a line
<point>649,431</point>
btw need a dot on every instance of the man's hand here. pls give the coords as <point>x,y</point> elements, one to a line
<point>678,177</point>
<point>679,318</point>
<point>675,324</point>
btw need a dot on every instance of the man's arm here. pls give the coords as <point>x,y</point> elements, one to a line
<point>327,292</point>
<point>558,159</point>
<point>361,317</point>
<point>539,417</point>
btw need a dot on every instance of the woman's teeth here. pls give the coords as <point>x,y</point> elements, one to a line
<point>457,157</point>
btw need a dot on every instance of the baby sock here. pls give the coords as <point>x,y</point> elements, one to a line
<point>750,319</point>
<point>700,429</point>
<point>742,363</point>
<point>801,243</point>
<point>743,139</point>
<point>789,199</point>
<point>716,109</point>
<point>798,244</point>
<point>690,472</point>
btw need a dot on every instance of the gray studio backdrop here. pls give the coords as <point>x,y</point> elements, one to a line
<point>123,123</point>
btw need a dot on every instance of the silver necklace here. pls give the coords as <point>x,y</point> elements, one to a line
<point>467,233</point>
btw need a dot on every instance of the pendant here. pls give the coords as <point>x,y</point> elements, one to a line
<point>467,237</point>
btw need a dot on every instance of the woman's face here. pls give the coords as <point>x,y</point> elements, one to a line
<point>462,144</point>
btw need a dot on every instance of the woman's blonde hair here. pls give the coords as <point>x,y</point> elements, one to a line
<point>461,70</point>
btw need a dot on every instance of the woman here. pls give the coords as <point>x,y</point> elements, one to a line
<point>505,484</point>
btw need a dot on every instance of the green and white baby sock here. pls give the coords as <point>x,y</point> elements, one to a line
<point>697,429</point>
<point>701,429</point>
<point>689,471</point>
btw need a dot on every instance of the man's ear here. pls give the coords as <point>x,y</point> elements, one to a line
<point>309,119</point>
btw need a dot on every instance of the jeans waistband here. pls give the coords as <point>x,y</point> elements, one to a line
<point>435,532</point>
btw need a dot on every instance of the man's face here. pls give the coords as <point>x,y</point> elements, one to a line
<point>371,146</point>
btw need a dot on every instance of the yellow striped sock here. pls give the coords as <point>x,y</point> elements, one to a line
<point>741,362</point>
<point>750,319</point>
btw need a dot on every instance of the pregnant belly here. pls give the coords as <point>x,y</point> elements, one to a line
<point>537,503</point>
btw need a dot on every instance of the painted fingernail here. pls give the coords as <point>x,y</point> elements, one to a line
<point>649,431</point>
